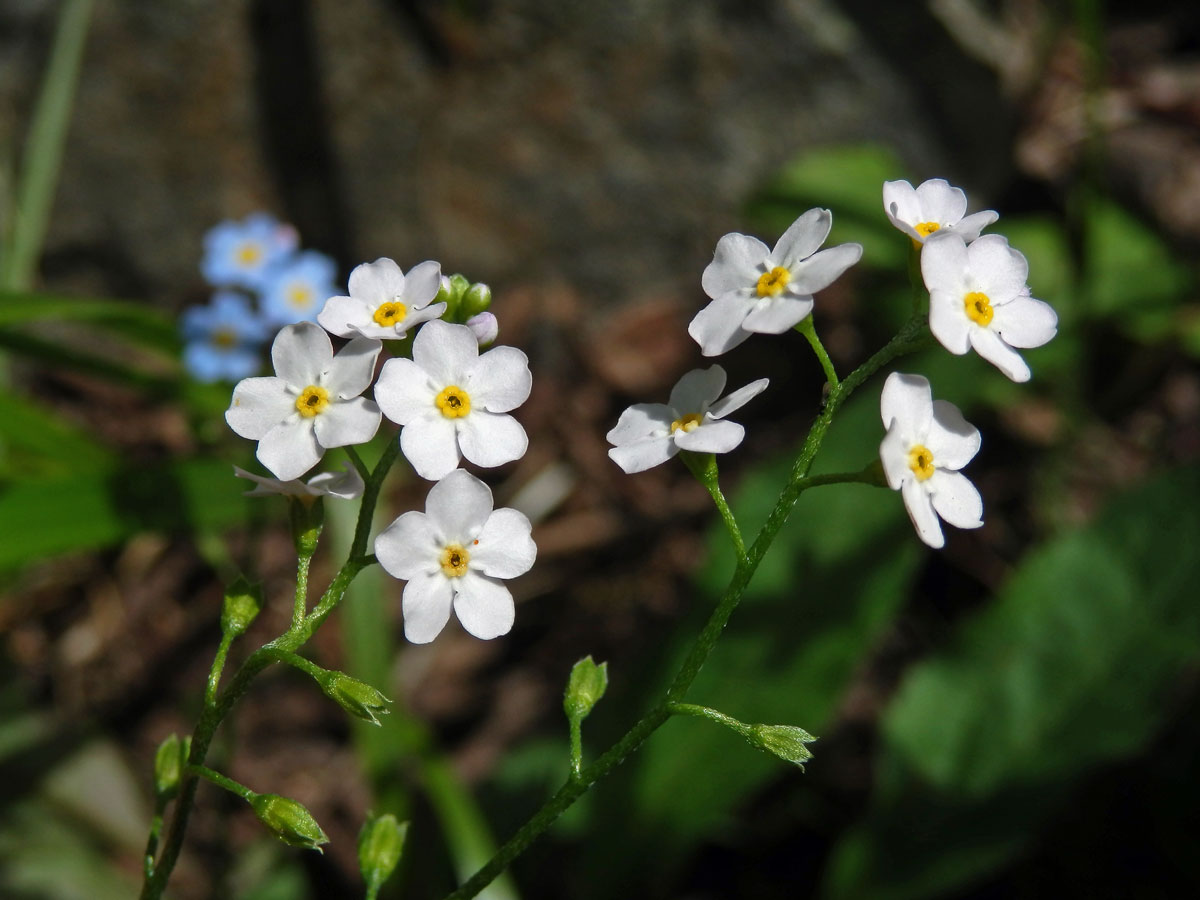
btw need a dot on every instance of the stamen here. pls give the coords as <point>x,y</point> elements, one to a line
<point>300,296</point>
<point>771,284</point>
<point>312,401</point>
<point>248,254</point>
<point>687,423</point>
<point>979,308</point>
<point>390,313</point>
<point>925,229</point>
<point>454,402</point>
<point>224,338</point>
<point>920,460</point>
<point>454,560</point>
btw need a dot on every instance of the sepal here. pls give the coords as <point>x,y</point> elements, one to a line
<point>380,846</point>
<point>240,608</point>
<point>291,822</point>
<point>585,687</point>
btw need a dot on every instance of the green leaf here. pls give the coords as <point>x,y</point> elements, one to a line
<point>144,324</point>
<point>1071,668</point>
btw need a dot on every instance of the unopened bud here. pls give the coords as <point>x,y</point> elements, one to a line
<point>356,697</point>
<point>291,822</point>
<point>476,299</point>
<point>380,845</point>
<point>585,687</point>
<point>169,762</point>
<point>485,327</point>
<point>242,602</point>
<point>785,741</point>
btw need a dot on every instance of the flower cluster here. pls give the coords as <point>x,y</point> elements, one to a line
<point>978,299</point>
<point>450,400</point>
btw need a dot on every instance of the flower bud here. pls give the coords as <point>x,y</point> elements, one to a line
<point>169,762</point>
<point>291,822</point>
<point>584,688</point>
<point>476,299</point>
<point>485,327</point>
<point>785,741</point>
<point>380,845</point>
<point>307,516</point>
<point>242,602</point>
<point>356,697</point>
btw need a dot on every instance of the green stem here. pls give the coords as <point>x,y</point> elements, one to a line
<point>705,712</point>
<point>357,462</point>
<point>156,825</point>
<point>295,661</point>
<point>913,336</point>
<point>221,781</point>
<point>576,747</point>
<point>300,605</point>
<point>362,530</point>
<point>214,674</point>
<point>809,330</point>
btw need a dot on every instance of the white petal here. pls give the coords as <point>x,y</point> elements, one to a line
<point>1025,322</point>
<point>920,510</point>
<point>802,238</point>
<point>301,353</point>
<point>696,390</point>
<point>643,455</point>
<point>718,327</point>
<point>491,439</point>
<point>505,547</point>
<point>775,315</point>
<point>945,265</point>
<point>426,603</point>
<point>483,605</point>
<point>736,266</point>
<point>430,445</point>
<point>998,269</point>
<point>970,227</point>
<point>893,453</point>
<point>404,391</point>
<point>344,316</point>
<point>414,318</point>
<point>499,380</point>
<point>445,351</point>
<point>347,422</point>
<point>901,204</point>
<point>259,404</point>
<point>642,421</point>
<point>290,449</point>
<point>408,548</point>
<point>265,487</point>
<point>353,369</point>
<point>422,283</point>
<point>951,439</point>
<point>719,436</point>
<point>955,499</point>
<point>377,282</point>
<point>737,399</point>
<point>822,269</point>
<point>346,485</point>
<point>989,345</point>
<point>458,506</point>
<point>908,401</point>
<point>940,202</point>
<point>948,319</point>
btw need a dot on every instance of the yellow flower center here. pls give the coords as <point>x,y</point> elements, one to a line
<point>312,400</point>
<point>454,560</point>
<point>687,423</point>
<point>224,338</point>
<point>248,254</point>
<point>390,313</point>
<point>453,402</point>
<point>920,460</point>
<point>925,229</point>
<point>772,283</point>
<point>300,295</point>
<point>979,308</point>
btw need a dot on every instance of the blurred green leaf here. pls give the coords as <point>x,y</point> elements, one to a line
<point>142,323</point>
<point>34,441</point>
<point>1072,667</point>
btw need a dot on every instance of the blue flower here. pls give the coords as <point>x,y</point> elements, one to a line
<point>297,289</point>
<point>222,339</point>
<point>242,254</point>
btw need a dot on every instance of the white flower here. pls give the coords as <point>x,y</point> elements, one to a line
<point>648,434</point>
<point>927,442</point>
<point>930,207</point>
<point>978,298</point>
<point>384,303</point>
<point>345,485</point>
<point>451,400</point>
<point>454,555</point>
<point>312,402</point>
<point>767,291</point>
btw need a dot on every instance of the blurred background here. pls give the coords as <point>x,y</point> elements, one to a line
<point>1014,716</point>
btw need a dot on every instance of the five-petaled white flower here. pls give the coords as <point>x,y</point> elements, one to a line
<point>648,434</point>
<point>384,303</point>
<point>768,291</point>
<point>454,555</point>
<point>978,298</point>
<point>451,400</point>
<point>927,442</point>
<point>932,206</point>
<point>312,402</point>
<point>345,485</point>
